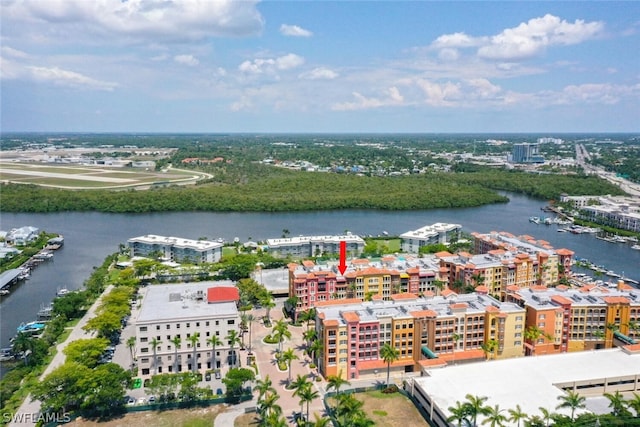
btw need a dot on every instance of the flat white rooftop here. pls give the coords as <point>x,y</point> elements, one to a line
<point>300,240</point>
<point>526,381</point>
<point>176,302</point>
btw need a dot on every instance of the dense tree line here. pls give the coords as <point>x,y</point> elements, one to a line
<point>297,191</point>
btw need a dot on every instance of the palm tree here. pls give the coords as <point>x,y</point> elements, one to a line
<point>309,336</point>
<point>23,343</point>
<point>573,401</point>
<point>264,387</point>
<point>275,420</point>
<point>250,318</point>
<point>347,408</point>
<point>214,341</point>
<point>299,384</point>
<point>516,415</point>
<point>546,415</point>
<point>288,356</point>
<point>308,316</point>
<point>389,354</point>
<point>489,347</point>
<point>635,403</point>
<point>268,303</point>
<point>176,341</point>
<point>194,339</point>
<point>321,421</point>
<point>475,406</point>
<point>307,395</point>
<point>336,381</point>
<point>280,332</point>
<point>131,344</point>
<point>458,413</point>
<point>494,416</point>
<point>618,404</point>
<point>315,348</point>
<point>155,342</point>
<point>267,408</point>
<point>233,339</point>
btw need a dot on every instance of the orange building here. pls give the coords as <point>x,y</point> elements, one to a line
<point>564,319</point>
<point>426,331</point>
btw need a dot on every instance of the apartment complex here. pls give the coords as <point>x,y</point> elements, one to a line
<point>363,279</point>
<point>426,331</point>
<point>616,211</point>
<point>586,318</point>
<point>310,246</point>
<point>175,249</point>
<point>411,241</point>
<point>502,259</point>
<point>181,320</point>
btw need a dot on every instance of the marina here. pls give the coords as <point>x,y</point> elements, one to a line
<point>14,276</point>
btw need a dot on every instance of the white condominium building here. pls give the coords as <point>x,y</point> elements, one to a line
<point>176,249</point>
<point>429,235</point>
<point>172,315</point>
<point>304,246</point>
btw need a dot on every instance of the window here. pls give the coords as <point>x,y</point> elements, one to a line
<point>168,326</point>
<point>178,326</point>
<point>143,329</point>
<point>231,322</point>
<point>188,325</point>
<point>157,327</point>
<point>197,324</point>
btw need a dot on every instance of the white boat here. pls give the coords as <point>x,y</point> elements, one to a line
<point>636,247</point>
<point>62,292</point>
<point>4,292</point>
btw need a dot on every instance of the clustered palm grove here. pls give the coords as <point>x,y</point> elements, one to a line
<point>624,412</point>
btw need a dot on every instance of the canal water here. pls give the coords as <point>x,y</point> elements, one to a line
<point>90,237</point>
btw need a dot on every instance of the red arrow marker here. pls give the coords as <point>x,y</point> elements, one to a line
<point>343,257</point>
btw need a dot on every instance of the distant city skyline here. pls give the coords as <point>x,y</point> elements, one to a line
<point>320,67</point>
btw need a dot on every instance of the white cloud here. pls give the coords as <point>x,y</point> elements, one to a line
<point>294,31</point>
<point>392,98</point>
<point>142,20</point>
<point>271,65</point>
<point>527,40</point>
<point>289,61</point>
<point>456,40</point>
<point>595,93</point>
<point>532,37</point>
<point>13,53</point>
<point>320,73</point>
<point>439,94</point>
<point>68,78</point>
<point>189,60</point>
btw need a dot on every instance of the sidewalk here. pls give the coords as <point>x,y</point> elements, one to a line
<point>33,406</point>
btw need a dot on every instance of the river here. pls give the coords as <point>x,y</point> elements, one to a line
<point>90,237</point>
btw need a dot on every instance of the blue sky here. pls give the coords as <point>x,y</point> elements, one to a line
<point>316,66</point>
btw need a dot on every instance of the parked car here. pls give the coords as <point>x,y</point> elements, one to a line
<point>219,392</point>
<point>218,375</point>
<point>152,399</point>
<point>207,376</point>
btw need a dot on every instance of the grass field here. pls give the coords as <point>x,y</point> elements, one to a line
<point>386,410</point>
<point>92,177</point>
<point>193,417</point>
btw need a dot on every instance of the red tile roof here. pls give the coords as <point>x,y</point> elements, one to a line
<point>223,294</point>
